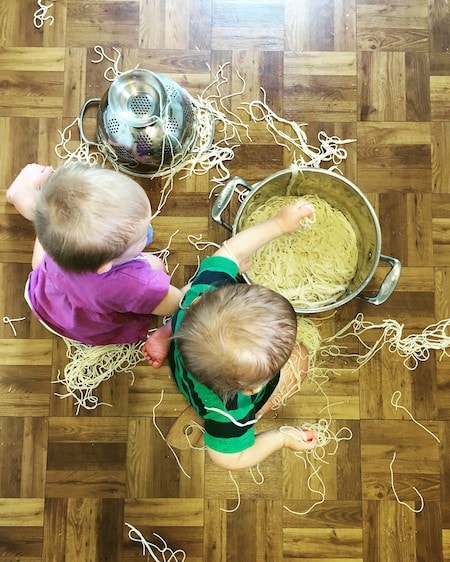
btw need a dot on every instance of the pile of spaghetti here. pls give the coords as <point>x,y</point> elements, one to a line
<point>311,267</point>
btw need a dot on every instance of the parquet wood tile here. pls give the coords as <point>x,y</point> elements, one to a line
<point>439,20</point>
<point>320,85</point>
<point>373,71</point>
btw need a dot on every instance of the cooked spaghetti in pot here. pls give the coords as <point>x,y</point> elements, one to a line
<point>310,267</point>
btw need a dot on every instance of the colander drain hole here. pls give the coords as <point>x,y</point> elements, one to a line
<point>173,125</point>
<point>141,104</point>
<point>114,126</point>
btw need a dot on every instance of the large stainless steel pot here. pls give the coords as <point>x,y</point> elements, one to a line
<point>342,195</point>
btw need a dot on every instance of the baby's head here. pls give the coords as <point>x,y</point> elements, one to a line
<point>87,216</point>
<point>235,339</point>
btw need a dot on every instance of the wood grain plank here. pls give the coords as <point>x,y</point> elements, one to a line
<point>21,512</point>
<point>440,164</point>
<point>21,352</point>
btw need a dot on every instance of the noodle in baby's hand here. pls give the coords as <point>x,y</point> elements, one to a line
<point>312,266</point>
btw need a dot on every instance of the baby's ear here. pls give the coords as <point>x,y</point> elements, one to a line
<point>105,267</point>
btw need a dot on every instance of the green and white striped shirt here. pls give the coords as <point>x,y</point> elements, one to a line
<point>229,428</point>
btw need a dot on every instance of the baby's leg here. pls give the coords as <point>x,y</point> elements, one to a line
<point>22,192</point>
<point>291,377</point>
<point>156,348</point>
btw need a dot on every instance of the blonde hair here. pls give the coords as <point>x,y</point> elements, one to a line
<point>237,337</point>
<point>87,215</point>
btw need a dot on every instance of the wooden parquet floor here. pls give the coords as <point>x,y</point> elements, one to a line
<point>370,70</point>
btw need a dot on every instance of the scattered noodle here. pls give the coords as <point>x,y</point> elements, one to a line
<point>67,150</point>
<point>395,492</point>
<point>215,103</point>
<point>260,474</point>
<point>303,266</point>
<point>187,433</point>
<point>329,149</point>
<point>328,406</point>
<point>325,436</point>
<point>165,252</point>
<point>199,245</point>
<point>309,335</point>
<point>112,72</point>
<point>8,320</point>
<point>238,496</point>
<point>314,472</point>
<point>413,348</point>
<point>164,193</point>
<point>196,270</point>
<point>229,252</point>
<point>90,365</point>
<point>162,435</point>
<point>41,16</point>
<point>159,554</point>
<point>394,401</point>
<point>321,491</point>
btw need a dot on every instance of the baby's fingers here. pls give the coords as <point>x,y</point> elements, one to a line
<point>299,439</point>
<point>290,217</point>
<point>310,437</point>
<point>305,208</point>
<point>35,174</point>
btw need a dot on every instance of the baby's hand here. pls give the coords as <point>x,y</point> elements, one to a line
<point>299,439</point>
<point>34,174</point>
<point>22,191</point>
<point>290,217</point>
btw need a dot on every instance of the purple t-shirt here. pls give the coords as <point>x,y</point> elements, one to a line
<point>98,309</point>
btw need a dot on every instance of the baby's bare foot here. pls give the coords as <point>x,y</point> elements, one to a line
<point>22,192</point>
<point>156,348</point>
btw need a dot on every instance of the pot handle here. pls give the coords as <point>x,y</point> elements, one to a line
<point>80,121</point>
<point>389,282</point>
<point>224,198</point>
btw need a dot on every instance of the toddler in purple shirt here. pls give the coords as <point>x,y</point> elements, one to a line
<point>90,280</point>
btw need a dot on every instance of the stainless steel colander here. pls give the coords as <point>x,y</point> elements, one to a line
<point>145,122</point>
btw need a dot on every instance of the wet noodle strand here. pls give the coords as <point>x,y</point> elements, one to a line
<point>311,267</point>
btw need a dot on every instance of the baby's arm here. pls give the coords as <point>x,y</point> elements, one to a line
<point>245,243</point>
<point>22,192</point>
<point>38,254</point>
<point>170,302</point>
<point>266,443</point>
